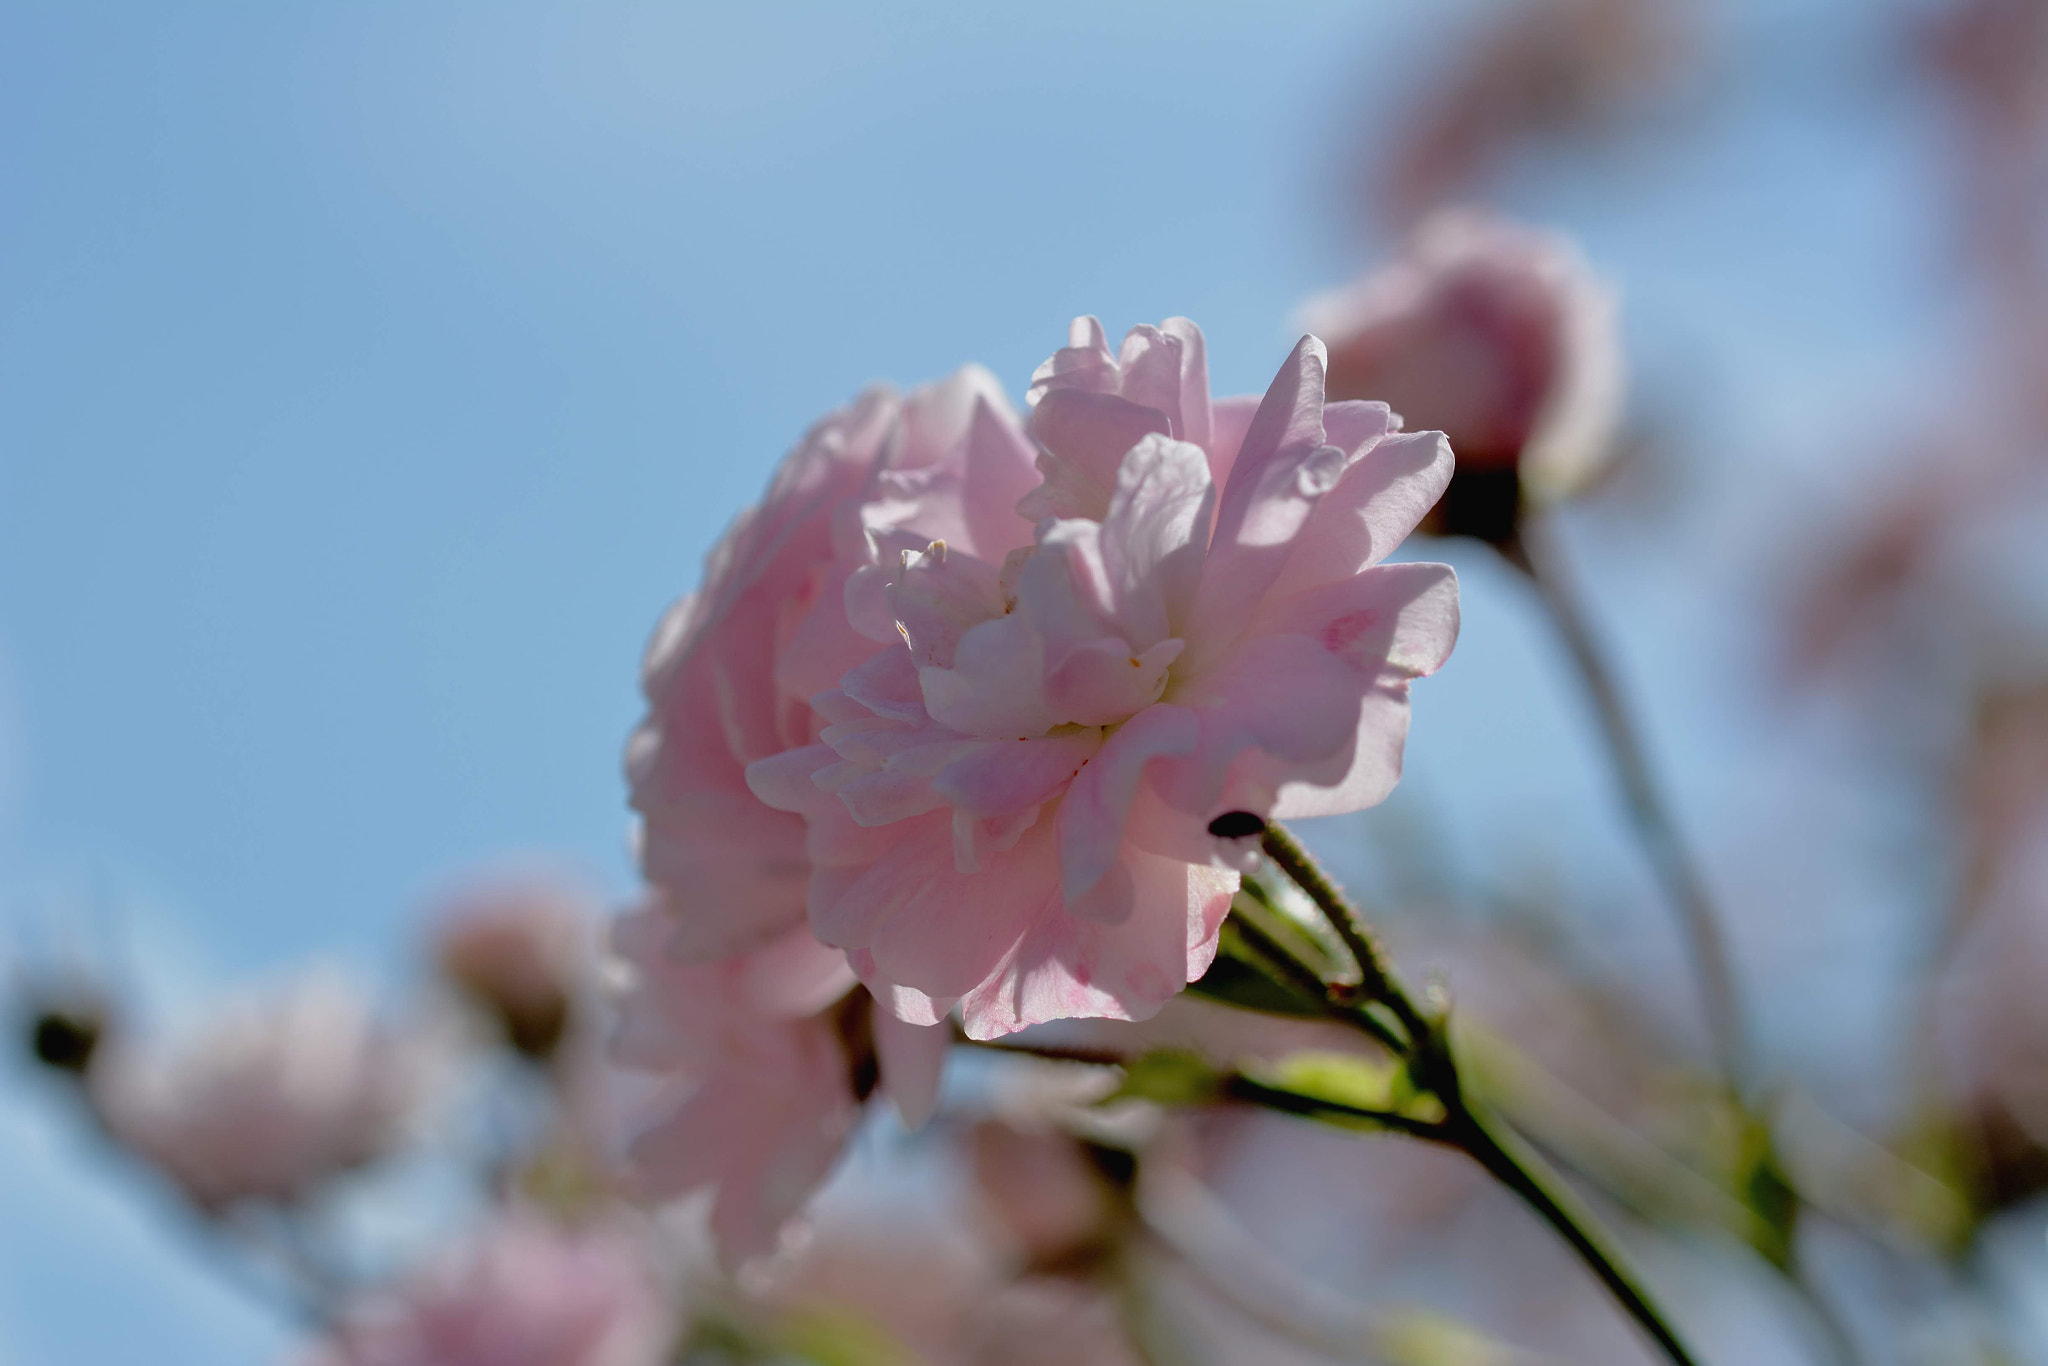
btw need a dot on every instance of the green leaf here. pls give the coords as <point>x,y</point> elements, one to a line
<point>1233,981</point>
<point>1342,1078</point>
<point>1241,976</point>
<point>1170,1076</point>
<point>1417,1337</point>
<point>1342,1089</point>
<point>824,1338</point>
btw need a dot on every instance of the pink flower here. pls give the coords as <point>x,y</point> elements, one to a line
<point>1034,802</point>
<point>1498,335</point>
<point>520,946</point>
<point>768,1062</point>
<point>519,1294</point>
<point>269,1097</point>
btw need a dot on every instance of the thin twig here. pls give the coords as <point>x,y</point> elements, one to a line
<point>1530,551</point>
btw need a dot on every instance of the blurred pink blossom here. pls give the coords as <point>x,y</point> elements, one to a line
<point>1041,1190</point>
<point>768,1061</point>
<point>269,1096</point>
<point>1034,802</point>
<point>1541,70</point>
<point>1497,334</point>
<point>521,947</point>
<point>934,1295</point>
<point>519,1294</point>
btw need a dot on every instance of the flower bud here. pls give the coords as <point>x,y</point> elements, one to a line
<point>520,949</point>
<point>64,1035</point>
<point>1499,336</point>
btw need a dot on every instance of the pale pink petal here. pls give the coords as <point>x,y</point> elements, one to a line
<point>1231,418</point>
<point>1101,682</point>
<point>937,417</point>
<point>765,1133</point>
<point>1063,588</point>
<point>907,1004</point>
<point>886,684</point>
<point>1285,695</point>
<point>932,927</point>
<point>1396,620</point>
<point>1369,772</point>
<point>912,1059</point>
<point>1379,499</point>
<point>938,597</point>
<point>1083,363</point>
<point>1286,427</point>
<point>1194,421</point>
<point>1004,776</point>
<point>784,781</point>
<point>791,977</point>
<point>1281,473</point>
<point>1154,535</point>
<point>1000,470</point>
<point>996,687</point>
<point>1069,968</point>
<point>1092,814</point>
<point>1082,436</point>
<point>1354,424</point>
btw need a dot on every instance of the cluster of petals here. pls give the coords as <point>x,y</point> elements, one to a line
<point>1496,333</point>
<point>1010,800</point>
<point>956,711</point>
<point>992,682</point>
<point>521,1293</point>
<point>760,1058</point>
<point>269,1096</point>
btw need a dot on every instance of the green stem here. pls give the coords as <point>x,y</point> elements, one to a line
<point>1375,973</point>
<point>1530,551</point>
<point>1466,1125</point>
<point>1515,1165</point>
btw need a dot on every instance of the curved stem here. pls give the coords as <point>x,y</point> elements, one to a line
<point>1466,1126</point>
<point>1376,976</point>
<point>1670,858</point>
<point>1515,1165</point>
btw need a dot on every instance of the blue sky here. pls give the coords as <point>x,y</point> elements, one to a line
<point>371,375</point>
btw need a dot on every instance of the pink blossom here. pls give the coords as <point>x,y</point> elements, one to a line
<point>1041,1191</point>
<point>768,1061</point>
<point>519,1294</point>
<point>1495,333</point>
<point>520,946</point>
<point>1011,807</point>
<point>268,1097</point>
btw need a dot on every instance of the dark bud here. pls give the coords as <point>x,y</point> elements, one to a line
<point>1117,1166</point>
<point>854,1020</point>
<point>1236,825</point>
<point>536,1027</point>
<point>1483,502</point>
<point>65,1039</point>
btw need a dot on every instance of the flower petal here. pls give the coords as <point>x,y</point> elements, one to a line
<point>1082,437</point>
<point>1154,536</point>
<point>1004,776</point>
<point>912,1058</point>
<point>1093,812</point>
<point>1378,500</point>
